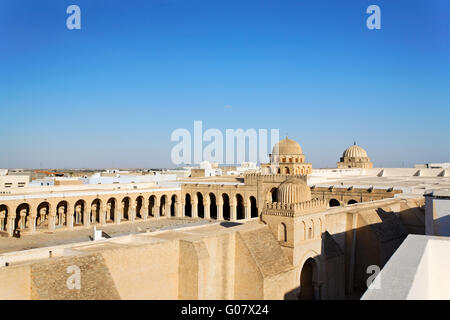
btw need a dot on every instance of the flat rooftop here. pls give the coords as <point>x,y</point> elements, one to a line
<point>46,239</point>
<point>418,270</point>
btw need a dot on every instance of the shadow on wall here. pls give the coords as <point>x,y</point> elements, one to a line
<point>441,226</point>
<point>342,270</point>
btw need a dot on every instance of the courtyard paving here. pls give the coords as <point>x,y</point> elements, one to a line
<point>47,239</point>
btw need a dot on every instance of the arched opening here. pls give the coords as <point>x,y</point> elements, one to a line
<point>126,208</point>
<point>282,232</point>
<point>278,170</point>
<point>110,210</point>
<point>173,203</point>
<point>79,213</point>
<point>240,210</point>
<point>306,280</point>
<point>95,211</point>
<point>162,206</point>
<point>200,207</point>
<point>3,217</point>
<point>42,215</point>
<point>352,201</point>
<point>212,206</point>
<point>304,230</point>
<point>253,208</point>
<point>334,203</point>
<point>61,214</point>
<point>187,205</point>
<point>226,206</point>
<point>272,195</point>
<point>151,205</point>
<point>22,217</point>
<point>286,170</point>
<point>139,205</point>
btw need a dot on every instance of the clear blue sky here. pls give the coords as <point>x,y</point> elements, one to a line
<point>111,93</point>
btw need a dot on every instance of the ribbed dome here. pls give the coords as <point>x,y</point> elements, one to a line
<point>287,147</point>
<point>293,190</point>
<point>355,152</point>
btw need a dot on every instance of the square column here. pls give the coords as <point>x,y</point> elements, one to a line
<point>118,214</point>
<point>220,211</point>
<point>207,210</point>
<point>10,226</point>
<point>103,215</point>
<point>194,211</point>
<point>181,209</point>
<point>233,212</point>
<point>69,219</point>
<point>156,211</point>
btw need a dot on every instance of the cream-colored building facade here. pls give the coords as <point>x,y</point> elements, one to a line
<point>273,236</point>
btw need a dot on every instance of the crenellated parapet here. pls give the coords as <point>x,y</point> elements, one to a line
<point>295,209</point>
<point>253,178</point>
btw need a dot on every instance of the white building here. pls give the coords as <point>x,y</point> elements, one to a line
<point>245,167</point>
<point>437,212</point>
<point>97,178</point>
<point>418,270</point>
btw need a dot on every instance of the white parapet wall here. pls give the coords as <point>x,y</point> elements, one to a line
<point>418,270</point>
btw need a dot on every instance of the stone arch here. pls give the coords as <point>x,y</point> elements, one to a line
<point>352,201</point>
<point>272,195</point>
<point>126,206</point>
<point>96,207</point>
<point>334,203</point>
<point>308,279</point>
<point>79,209</point>
<point>163,204</point>
<point>151,205</point>
<point>111,209</point>
<point>4,212</point>
<point>240,207</point>
<point>62,209</point>
<point>22,217</point>
<point>282,232</point>
<point>226,206</point>
<point>188,205</point>
<point>304,230</point>
<point>43,215</point>
<point>200,205</point>
<point>286,170</point>
<point>253,207</point>
<point>212,206</point>
<point>139,208</point>
<point>173,205</point>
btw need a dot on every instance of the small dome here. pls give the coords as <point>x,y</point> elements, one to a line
<point>287,147</point>
<point>355,152</point>
<point>293,190</point>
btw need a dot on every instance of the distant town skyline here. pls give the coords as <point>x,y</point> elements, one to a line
<point>110,95</point>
